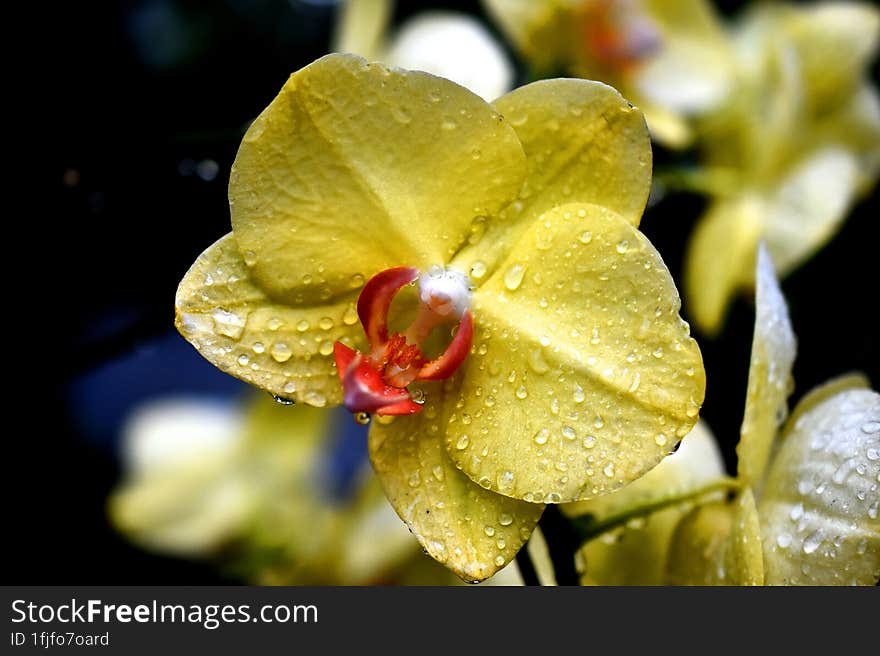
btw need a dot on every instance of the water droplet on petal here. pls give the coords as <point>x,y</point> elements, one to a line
<point>228,323</point>
<point>280,352</point>
<point>513,277</point>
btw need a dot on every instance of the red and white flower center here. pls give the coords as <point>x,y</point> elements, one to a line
<point>376,382</point>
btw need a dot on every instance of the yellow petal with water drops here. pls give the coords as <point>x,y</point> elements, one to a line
<point>635,553</point>
<point>582,376</point>
<point>719,256</point>
<point>583,143</point>
<point>471,530</point>
<point>819,509</point>
<point>809,205</point>
<point>360,27</point>
<point>835,43</point>
<point>235,325</point>
<point>770,383</point>
<point>355,168</point>
<point>718,544</point>
<point>823,392</point>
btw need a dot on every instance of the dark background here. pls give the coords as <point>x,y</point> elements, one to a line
<point>146,104</point>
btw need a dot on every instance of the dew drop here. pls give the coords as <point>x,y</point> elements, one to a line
<point>514,276</point>
<point>302,325</point>
<point>783,540</point>
<point>350,317</point>
<point>609,470</point>
<point>258,347</point>
<point>280,352</point>
<point>478,270</point>
<point>228,323</point>
<point>283,400</point>
<point>326,348</point>
<point>622,246</point>
<point>363,418</point>
<point>578,395</point>
<point>243,359</point>
<point>660,440</point>
<point>274,323</point>
<point>462,442</point>
<point>315,398</point>
<point>813,541</point>
<point>589,442</point>
<point>505,519</point>
<point>489,530</point>
<point>542,436</point>
<point>499,561</point>
<point>505,481</point>
<point>568,432</point>
<point>870,427</point>
<point>521,392</point>
<point>325,323</point>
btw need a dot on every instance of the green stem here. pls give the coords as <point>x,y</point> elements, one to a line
<point>707,181</point>
<point>589,527</point>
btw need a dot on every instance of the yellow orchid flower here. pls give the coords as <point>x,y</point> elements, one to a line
<point>669,57</point>
<point>806,511</point>
<point>790,154</point>
<point>446,43</point>
<point>570,373</point>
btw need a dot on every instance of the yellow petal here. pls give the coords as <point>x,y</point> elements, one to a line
<point>285,350</point>
<point>718,544</point>
<point>636,555</point>
<point>819,509</point>
<point>583,143</point>
<point>808,206</point>
<point>825,391</point>
<point>354,168</point>
<point>696,463</point>
<point>361,26</point>
<point>744,560</point>
<point>471,530</point>
<point>836,42</point>
<point>720,252</point>
<point>582,376</point>
<point>773,351</point>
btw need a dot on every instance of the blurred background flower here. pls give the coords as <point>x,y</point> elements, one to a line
<point>275,494</point>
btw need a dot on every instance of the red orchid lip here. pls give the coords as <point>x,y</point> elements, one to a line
<point>376,383</point>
